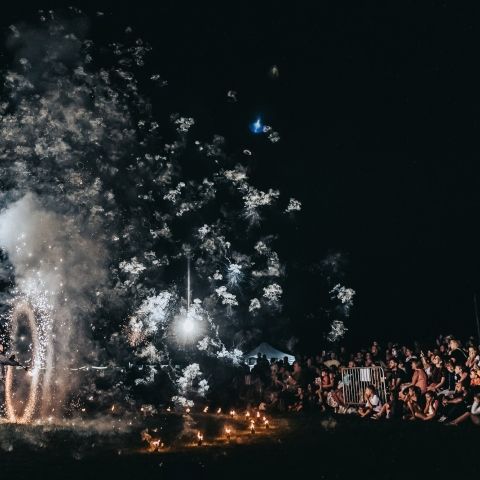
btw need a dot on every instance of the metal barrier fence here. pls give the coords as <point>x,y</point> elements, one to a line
<point>355,380</point>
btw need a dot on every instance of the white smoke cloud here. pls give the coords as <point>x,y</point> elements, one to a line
<point>58,271</point>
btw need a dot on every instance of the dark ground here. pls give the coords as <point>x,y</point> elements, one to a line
<point>316,446</point>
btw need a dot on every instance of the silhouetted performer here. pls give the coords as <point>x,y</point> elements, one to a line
<point>4,362</point>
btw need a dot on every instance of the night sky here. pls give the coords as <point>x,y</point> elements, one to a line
<point>377,105</point>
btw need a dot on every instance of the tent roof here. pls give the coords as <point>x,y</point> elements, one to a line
<point>266,349</point>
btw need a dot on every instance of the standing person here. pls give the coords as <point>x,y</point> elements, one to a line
<point>397,375</point>
<point>409,358</point>
<point>419,378</point>
<point>437,374</point>
<point>456,353</point>
<point>448,386</point>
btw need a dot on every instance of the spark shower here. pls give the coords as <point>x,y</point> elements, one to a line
<point>101,205</point>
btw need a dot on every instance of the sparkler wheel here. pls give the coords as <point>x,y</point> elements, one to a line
<point>21,388</point>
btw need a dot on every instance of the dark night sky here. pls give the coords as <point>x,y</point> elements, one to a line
<point>377,105</point>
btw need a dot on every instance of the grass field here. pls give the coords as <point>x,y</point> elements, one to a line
<point>313,446</point>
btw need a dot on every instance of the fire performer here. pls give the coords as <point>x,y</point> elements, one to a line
<point>6,361</point>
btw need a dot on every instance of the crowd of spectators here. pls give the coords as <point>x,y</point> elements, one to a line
<point>437,383</point>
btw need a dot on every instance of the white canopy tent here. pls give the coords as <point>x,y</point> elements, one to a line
<point>270,352</point>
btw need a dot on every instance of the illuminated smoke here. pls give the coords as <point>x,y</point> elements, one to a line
<point>57,272</point>
<point>96,208</point>
<point>234,274</point>
<point>337,331</point>
<point>345,295</point>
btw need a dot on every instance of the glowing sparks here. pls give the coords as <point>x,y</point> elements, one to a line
<point>12,401</point>
<point>153,444</point>
<point>188,327</point>
<point>234,274</point>
<point>337,331</point>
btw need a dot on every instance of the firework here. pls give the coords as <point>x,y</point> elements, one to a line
<point>256,126</point>
<point>110,199</point>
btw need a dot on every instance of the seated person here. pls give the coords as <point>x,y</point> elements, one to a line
<point>457,404</point>
<point>373,405</point>
<point>411,402</point>
<point>473,414</point>
<point>475,377</point>
<point>419,378</point>
<point>473,359</point>
<point>393,409</point>
<point>327,382</point>
<point>431,408</point>
<point>448,387</point>
<point>461,375</point>
<point>300,401</point>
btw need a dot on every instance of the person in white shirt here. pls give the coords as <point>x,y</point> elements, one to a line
<point>373,405</point>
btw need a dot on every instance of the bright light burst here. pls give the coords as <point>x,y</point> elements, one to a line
<point>257,126</point>
<point>86,247</point>
<point>188,327</point>
<point>234,274</point>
